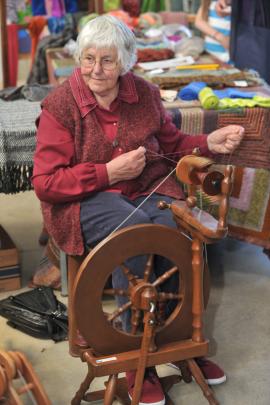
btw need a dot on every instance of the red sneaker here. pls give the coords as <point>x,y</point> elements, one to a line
<point>152,393</point>
<point>212,373</point>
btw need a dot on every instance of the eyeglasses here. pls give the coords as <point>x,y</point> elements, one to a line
<point>105,63</point>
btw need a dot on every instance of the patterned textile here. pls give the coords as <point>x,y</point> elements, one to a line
<point>149,54</point>
<point>176,79</point>
<point>17,144</point>
<point>249,214</point>
<point>256,122</point>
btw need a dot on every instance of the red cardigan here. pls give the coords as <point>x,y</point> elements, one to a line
<point>75,140</point>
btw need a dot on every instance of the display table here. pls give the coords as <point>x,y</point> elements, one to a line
<point>249,215</point>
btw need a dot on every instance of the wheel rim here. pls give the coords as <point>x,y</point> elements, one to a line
<point>99,264</point>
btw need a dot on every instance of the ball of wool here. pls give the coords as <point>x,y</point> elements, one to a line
<point>149,20</point>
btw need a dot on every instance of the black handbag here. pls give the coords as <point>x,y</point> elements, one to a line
<point>38,313</point>
<point>250,36</point>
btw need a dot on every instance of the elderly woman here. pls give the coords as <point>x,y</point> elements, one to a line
<point>101,139</point>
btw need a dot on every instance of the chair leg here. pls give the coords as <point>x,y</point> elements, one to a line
<point>199,378</point>
<point>73,266</point>
<point>63,270</point>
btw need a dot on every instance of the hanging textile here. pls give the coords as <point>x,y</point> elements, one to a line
<point>152,5</point>
<point>111,5</point>
<point>132,7</point>
<point>55,8</point>
<point>71,6</point>
<point>11,11</point>
<point>35,27</point>
<point>38,7</point>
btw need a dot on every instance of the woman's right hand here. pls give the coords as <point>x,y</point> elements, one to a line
<point>126,166</point>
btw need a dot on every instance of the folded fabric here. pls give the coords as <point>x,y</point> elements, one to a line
<point>208,99</point>
<point>191,91</point>
<point>233,93</point>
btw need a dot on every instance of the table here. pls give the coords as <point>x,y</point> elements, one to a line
<point>249,214</point>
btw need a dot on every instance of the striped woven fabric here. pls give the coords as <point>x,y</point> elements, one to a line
<point>17,144</point>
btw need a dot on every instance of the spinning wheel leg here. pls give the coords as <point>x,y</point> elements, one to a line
<point>185,371</point>
<point>83,388</point>
<point>199,378</point>
<point>110,390</point>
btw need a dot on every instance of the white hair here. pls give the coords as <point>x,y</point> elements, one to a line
<point>106,31</point>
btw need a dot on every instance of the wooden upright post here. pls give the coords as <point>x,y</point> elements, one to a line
<point>4,43</point>
<point>197,300</point>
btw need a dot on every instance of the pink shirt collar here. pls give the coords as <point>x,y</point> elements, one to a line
<point>85,98</point>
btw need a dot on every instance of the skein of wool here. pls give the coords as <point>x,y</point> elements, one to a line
<point>208,99</point>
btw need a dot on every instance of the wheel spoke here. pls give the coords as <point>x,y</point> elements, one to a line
<point>165,276</point>
<point>135,320</point>
<point>119,311</point>
<point>131,278</point>
<point>162,296</point>
<point>148,268</point>
<point>116,291</point>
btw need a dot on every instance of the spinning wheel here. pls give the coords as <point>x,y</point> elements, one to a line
<point>14,366</point>
<point>133,241</point>
<point>175,337</point>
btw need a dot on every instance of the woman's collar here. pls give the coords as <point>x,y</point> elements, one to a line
<point>85,98</point>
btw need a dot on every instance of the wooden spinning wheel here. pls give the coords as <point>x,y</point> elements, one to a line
<point>132,241</point>
<point>177,337</point>
<point>15,367</point>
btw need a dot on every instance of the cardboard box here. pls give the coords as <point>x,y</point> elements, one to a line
<point>10,274</point>
<point>9,284</point>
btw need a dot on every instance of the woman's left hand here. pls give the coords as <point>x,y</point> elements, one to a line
<point>226,139</point>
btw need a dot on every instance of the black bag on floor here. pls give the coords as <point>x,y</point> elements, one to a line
<point>38,313</point>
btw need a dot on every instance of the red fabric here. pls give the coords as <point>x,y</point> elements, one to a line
<point>35,26</point>
<point>13,54</point>
<point>150,54</point>
<point>132,7</point>
<point>71,153</point>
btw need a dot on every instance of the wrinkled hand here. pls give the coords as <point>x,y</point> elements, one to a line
<point>226,139</point>
<point>222,7</point>
<point>127,166</point>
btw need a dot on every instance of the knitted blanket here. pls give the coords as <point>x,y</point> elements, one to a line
<point>249,213</point>
<point>17,144</point>
<point>256,122</point>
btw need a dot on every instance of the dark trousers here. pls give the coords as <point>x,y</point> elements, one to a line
<point>104,211</point>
